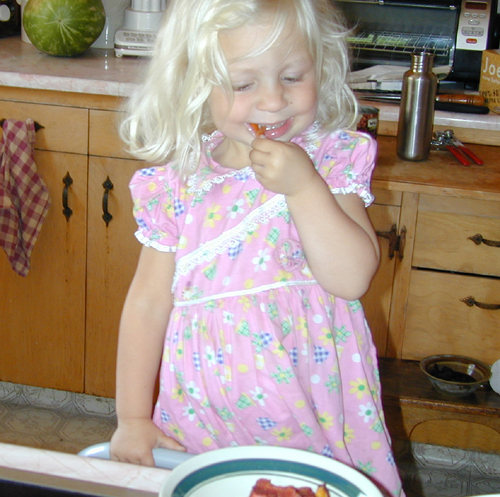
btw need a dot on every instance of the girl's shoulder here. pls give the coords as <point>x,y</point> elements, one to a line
<point>315,140</point>
<point>155,174</point>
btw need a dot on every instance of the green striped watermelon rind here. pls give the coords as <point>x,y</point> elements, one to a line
<point>63,28</point>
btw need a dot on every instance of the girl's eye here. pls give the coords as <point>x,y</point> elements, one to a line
<point>291,79</point>
<point>242,87</point>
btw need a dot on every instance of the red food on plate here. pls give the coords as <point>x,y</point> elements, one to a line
<point>264,488</point>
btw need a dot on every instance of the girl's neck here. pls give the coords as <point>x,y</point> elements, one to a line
<point>231,154</point>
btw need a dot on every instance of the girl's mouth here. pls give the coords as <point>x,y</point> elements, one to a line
<point>272,131</point>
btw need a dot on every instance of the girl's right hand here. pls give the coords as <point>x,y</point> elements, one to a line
<point>135,439</point>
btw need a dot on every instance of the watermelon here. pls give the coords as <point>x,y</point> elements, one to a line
<point>63,28</point>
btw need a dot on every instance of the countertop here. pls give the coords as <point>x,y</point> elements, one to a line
<point>68,471</point>
<point>99,72</point>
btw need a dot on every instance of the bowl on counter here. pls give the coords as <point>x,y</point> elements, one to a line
<point>455,375</point>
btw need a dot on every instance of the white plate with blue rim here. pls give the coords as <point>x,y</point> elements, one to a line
<point>234,471</point>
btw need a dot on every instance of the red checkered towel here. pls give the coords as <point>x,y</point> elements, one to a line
<point>24,198</point>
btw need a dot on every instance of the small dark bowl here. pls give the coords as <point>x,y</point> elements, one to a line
<point>455,375</point>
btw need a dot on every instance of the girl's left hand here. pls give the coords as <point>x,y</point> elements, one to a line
<point>281,167</point>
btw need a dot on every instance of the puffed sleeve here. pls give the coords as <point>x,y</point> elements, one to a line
<point>154,206</point>
<point>346,161</point>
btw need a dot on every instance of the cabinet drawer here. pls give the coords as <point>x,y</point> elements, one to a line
<point>444,230</point>
<point>104,139</point>
<point>438,322</point>
<point>65,129</point>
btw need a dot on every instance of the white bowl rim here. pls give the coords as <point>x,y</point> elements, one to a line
<point>302,457</point>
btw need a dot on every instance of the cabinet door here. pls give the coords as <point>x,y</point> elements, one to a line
<point>42,316</point>
<point>440,322</point>
<point>112,257</point>
<point>384,215</point>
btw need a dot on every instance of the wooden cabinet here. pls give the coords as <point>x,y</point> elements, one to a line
<point>59,325</point>
<point>42,316</point>
<point>384,214</point>
<point>112,254</point>
<point>454,293</point>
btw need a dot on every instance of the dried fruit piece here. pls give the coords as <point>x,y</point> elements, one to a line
<point>322,491</point>
<point>258,129</point>
<point>264,488</point>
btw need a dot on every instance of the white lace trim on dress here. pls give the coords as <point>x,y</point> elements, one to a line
<point>238,293</point>
<point>206,186</point>
<point>231,238</point>
<point>365,195</point>
<point>147,242</point>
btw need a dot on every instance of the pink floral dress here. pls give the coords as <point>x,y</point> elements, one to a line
<point>256,352</point>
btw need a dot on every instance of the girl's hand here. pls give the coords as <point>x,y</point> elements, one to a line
<point>134,440</point>
<point>281,167</point>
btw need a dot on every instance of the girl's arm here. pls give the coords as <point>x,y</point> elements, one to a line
<point>142,330</point>
<point>338,239</point>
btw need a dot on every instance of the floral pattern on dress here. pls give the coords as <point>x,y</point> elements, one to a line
<point>256,352</point>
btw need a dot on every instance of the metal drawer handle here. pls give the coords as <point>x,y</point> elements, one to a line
<point>471,301</point>
<point>478,239</point>
<point>67,211</point>
<point>107,216</point>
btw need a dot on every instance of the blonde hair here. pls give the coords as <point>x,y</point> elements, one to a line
<point>167,116</point>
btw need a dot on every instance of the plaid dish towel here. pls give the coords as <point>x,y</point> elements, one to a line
<point>24,198</point>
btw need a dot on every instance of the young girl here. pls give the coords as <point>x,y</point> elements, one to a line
<point>257,244</point>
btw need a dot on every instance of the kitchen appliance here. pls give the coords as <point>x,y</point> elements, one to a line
<point>141,22</point>
<point>455,31</point>
<point>115,14</point>
<point>10,18</point>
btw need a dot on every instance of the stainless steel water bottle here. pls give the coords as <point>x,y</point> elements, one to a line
<point>416,113</point>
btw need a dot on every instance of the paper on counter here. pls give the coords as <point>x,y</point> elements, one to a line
<point>385,77</point>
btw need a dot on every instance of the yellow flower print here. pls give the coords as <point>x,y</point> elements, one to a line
<point>183,241</point>
<point>178,393</point>
<point>327,337</point>
<point>306,271</point>
<point>252,234</point>
<point>138,205</point>
<point>166,354</point>
<point>302,326</point>
<point>326,420</point>
<point>279,350</point>
<point>359,387</point>
<point>211,216</point>
<point>283,276</point>
<point>152,186</point>
<point>182,194</point>
<point>168,209</point>
<point>282,433</point>
<point>226,189</point>
<point>348,434</point>
<point>179,351</point>
<point>245,303</point>
<point>174,428</point>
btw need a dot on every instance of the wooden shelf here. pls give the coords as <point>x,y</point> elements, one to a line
<point>410,401</point>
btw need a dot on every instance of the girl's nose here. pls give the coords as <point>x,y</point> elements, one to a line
<point>272,98</point>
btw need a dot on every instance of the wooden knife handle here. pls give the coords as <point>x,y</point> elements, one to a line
<point>461,99</point>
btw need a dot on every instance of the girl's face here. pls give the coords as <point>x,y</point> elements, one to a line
<point>276,89</point>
